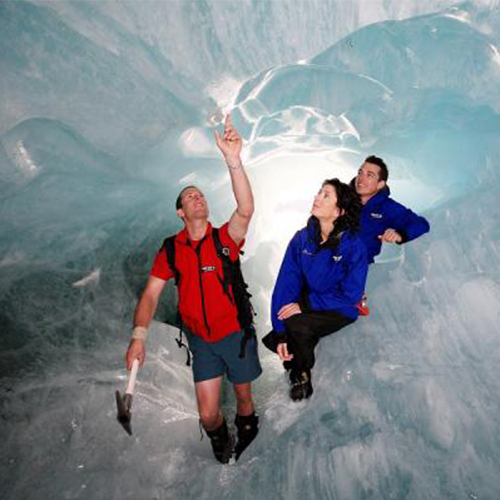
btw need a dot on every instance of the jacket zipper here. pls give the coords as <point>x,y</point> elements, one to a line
<point>198,250</point>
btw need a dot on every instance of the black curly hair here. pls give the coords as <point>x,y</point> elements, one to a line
<point>350,206</point>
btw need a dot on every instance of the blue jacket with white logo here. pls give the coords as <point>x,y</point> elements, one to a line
<point>381,213</point>
<point>334,278</point>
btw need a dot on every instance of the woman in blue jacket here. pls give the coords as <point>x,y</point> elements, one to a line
<point>321,279</point>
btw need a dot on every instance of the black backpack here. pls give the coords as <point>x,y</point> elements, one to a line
<point>232,277</point>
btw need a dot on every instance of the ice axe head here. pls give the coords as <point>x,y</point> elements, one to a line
<point>124,416</point>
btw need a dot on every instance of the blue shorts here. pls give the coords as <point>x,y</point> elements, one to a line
<point>213,359</point>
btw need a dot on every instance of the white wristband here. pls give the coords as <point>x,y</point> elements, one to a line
<point>140,333</point>
<point>235,167</point>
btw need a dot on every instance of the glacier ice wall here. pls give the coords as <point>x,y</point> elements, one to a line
<point>108,108</point>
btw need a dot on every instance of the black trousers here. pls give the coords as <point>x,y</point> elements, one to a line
<point>304,332</point>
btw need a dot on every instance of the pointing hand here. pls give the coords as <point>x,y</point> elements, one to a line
<point>230,143</point>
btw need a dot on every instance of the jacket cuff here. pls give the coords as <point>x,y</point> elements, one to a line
<point>280,337</point>
<point>304,304</point>
<point>404,236</point>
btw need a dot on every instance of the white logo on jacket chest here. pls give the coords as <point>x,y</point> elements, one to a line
<point>336,258</point>
<point>307,252</point>
<point>375,215</point>
<point>208,269</point>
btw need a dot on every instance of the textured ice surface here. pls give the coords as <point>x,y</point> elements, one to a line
<point>108,108</point>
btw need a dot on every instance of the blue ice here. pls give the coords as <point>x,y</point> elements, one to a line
<point>107,109</point>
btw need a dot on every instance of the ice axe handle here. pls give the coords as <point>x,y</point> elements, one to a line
<point>124,404</point>
<point>132,378</point>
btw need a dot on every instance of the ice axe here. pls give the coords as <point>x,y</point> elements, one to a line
<point>124,404</point>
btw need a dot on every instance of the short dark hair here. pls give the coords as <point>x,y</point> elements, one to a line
<point>178,201</point>
<point>384,171</point>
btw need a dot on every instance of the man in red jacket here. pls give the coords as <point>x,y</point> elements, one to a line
<point>207,306</point>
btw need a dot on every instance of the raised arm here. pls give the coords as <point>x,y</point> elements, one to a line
<point>230,145</point>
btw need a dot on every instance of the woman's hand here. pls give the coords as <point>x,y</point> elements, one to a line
<point>283,353</point>
<point>289,310</point>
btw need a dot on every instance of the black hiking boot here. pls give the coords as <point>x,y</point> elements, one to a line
<point>248,428</point>
<point>222,443</point>
<point>301,385</point>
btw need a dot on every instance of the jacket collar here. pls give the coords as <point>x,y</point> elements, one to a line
<point>314,235</point>
<point>183,236</point>
<point>382,195</point>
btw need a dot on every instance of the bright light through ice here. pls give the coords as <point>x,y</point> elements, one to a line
<point>284,187</point>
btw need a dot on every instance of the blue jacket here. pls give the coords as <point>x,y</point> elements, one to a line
<point>381,213</point>
<point>334,279</point>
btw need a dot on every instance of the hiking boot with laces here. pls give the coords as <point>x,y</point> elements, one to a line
<point>248,428</point>
<point>301,385</point>
<point>222,442</point>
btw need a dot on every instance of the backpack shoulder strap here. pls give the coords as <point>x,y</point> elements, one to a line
<point>222,251</point>
<point>234,277</point>
<point>227,263</point>
<point>169,245</point>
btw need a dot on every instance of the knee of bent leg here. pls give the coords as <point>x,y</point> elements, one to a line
<point>243,398</point>
<point>293,323</point>
<point>209,417</point>
<point>243,394</point>
<point>297,325</point>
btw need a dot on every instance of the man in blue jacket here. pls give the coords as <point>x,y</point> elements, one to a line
<point>382,218</point>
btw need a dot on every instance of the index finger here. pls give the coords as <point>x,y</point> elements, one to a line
<point>227,122</point>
